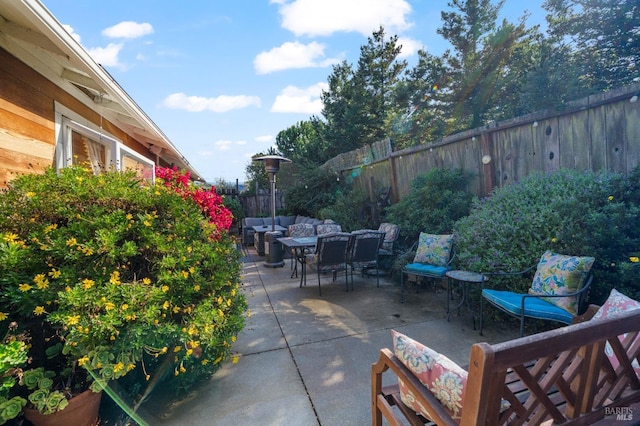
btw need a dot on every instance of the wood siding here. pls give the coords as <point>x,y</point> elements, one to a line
<point>27,120</point>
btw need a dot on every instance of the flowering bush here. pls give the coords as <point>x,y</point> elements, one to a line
<point>113,275</point>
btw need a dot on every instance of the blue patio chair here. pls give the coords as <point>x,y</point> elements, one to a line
<point>434,257</point>
<point>558,292</point>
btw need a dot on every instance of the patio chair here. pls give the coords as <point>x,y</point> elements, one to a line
<point>391,234</point>
<point>363,252</point>
<point>433,258</point>
<point>330,256</point>
<point>298,230</point>
<point>558,292</point>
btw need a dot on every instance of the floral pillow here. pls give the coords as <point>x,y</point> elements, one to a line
<point>442,377</point>
<point>560,274</point>
<point>433,249</point>
<point>617,303</point>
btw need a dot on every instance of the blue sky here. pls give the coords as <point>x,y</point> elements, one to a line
<point>222,78</point>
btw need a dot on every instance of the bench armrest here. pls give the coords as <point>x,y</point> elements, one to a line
<point>382,406</point>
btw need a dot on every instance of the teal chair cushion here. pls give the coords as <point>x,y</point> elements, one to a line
<point>424,269</point>
<point>534,307</point>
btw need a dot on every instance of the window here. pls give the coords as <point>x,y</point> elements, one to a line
<point>82,143</point>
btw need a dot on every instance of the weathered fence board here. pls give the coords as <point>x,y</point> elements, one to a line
<point>595,133</point>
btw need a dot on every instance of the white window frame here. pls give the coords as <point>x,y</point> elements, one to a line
<point>67,121</point>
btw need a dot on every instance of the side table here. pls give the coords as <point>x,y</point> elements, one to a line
<point>466,278</point>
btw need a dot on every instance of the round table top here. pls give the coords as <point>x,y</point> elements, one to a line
<point>466,276</point>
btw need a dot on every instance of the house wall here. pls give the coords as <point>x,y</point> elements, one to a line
<point>27,120</point>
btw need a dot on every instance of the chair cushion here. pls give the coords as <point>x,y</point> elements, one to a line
<point>424,269</point>
<point>433,249</point>
<point>327,228</point>
<point>253,221</point>
<point>616,304</point>
<point>560,274</point>
<point>534,307</point>
<point>445,379</point>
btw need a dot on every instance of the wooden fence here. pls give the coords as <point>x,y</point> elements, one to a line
<point>595,133</point>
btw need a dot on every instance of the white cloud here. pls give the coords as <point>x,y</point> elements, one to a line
<point>222,103</point>
<point>72,33</point>
<point>107,56</point>
<point>325,17</point>
<point>292,55</point>
<point>226,145</point>
<point>265,138</point>
<point>128,29</point>
<point>297,100</point>
<point>409,47</point>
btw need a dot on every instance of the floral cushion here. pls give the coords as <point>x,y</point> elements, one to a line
<point>615,304</point>
<point>328,228</point>
<point>442,377</point>
<point>560,274</point>
<point>391,235</point>
<point>434,249</point>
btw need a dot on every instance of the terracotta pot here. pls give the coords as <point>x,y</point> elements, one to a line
<point>83,410</point>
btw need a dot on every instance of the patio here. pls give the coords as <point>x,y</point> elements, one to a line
<point>306,359</point>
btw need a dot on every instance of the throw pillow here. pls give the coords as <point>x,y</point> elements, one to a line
<point>560,274</point>
<point>617,303</point>
<point>434,249</point>
<point>441,376</point>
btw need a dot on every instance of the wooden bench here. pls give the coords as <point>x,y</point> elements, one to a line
<point>560,376</point>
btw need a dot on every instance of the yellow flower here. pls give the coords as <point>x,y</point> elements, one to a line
<point>87,283</point>
<point>3,316</point>
<point>82,361</point>
<point>50,228</point>
<point>185,274</point>
<point>54,273</point>
<point>24,287</point>
<point>41,281</point>
<point>164,288</point>
<point>634,259</point>
<point>146,281</point>
<point>72,242</point>
<point>129,216</point>
<point>10,237</point>
<point>39,310</point>
<point>73,319</point>
<point>177,349</point>
<point>119,366</point>
<point>147,223</point>
<point>205,361</point>
<point>164,350</point>
<point>235,359</point>
<point>176,309</point>
<point>610,198</point>
<point>233,338</point>
<point>115,277</point>
<point>124,306</point>
<point>109,306</point>
<point>182,369</point>
<point>196,287</point>
<point>30,194</point>
<point>166,305</point>
<point>554,240</point>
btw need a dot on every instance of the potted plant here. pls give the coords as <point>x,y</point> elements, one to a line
<point>110,275</point>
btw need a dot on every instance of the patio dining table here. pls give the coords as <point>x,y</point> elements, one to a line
<point>298,246</point>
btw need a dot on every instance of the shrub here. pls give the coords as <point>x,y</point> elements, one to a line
<point>569,212</point>
<point>349,210</point>
<point>120,275</point>
<point>437,199</point>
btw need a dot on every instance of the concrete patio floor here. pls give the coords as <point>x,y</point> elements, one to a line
<point>306,359</point>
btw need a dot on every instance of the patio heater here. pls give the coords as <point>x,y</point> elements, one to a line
<point>272,247</point>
